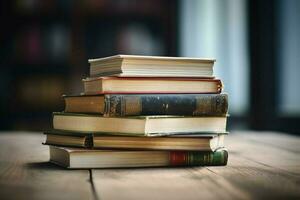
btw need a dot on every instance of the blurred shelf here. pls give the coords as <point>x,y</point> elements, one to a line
<point>48,45</point>
<point>46,68</point>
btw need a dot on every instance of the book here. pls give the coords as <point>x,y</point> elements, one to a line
<point>69,139</point>
<point>193,142</point>
<point>190,143</point>
<point>120,105</point>
<point>153,66</point>
<point>140,125</point>
<point>82,158</point>
<point>150,85</point>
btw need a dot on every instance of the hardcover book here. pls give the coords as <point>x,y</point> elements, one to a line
<point>158,66</point>
<point>69,139</point>
<point>140,125</point>
<point>193,142</point>
<point>144,85</point>
<point>120,105</point>
<point>83,158</point>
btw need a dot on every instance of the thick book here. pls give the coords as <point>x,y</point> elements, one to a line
<point>193,142</point>
<point>139,125</point>
<point>141,85</point>
<point>120,105</point>
<point>83,158</point>
<point>155,66</point>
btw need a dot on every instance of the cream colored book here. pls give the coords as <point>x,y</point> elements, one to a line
<point>140,125</point>
<point>83,158</point>
<point>135,85</point>
<point>153,66</point>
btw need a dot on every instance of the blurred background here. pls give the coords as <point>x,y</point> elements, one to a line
<point>45,46</point>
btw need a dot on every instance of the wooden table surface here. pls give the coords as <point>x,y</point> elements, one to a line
<point>262,165</point>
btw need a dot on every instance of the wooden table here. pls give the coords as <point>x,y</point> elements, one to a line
<point>262,165</point>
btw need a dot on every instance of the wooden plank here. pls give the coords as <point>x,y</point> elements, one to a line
<point>159,183</point>
<point>26,174</point>
<point>257,180</point>
<point>276,139</point>
<point>253,165</point>
<point>255,171</point>
<point>276,155</point>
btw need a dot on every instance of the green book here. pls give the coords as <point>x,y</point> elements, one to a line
<point>140,125</point>
<point>82,158</point>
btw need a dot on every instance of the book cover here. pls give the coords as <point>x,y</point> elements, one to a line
<point>192,142</point>
<point>82,158</point>
<point>158,125</point>
<point>151,85</point>
<point>168,104</point>
<point>68,139</point>
<point>152,66</point>
<point>216,158</point>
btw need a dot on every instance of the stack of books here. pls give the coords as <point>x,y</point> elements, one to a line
<point>143,111</point>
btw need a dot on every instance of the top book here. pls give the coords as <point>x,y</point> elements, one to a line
<point>150,66</point>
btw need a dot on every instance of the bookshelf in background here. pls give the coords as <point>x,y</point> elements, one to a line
<point>48,45</point>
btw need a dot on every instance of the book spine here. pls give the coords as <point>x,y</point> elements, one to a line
<point>217,158</point>
<point>89,143</point>
<point>88,138</point>
<point>188,104</point>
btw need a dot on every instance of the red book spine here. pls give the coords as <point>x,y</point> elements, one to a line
<point>178,158</point>
<point>198,158</point>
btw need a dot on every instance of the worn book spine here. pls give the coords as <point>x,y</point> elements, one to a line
<point>158,104</point>
<point>217,158</point>
<point>88,139</point>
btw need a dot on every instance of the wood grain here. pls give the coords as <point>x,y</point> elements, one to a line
<point>277,151</point>
<point>262,165</point>
<point>264,169</point>
<point>26,174</point>
<point>256,169</point>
